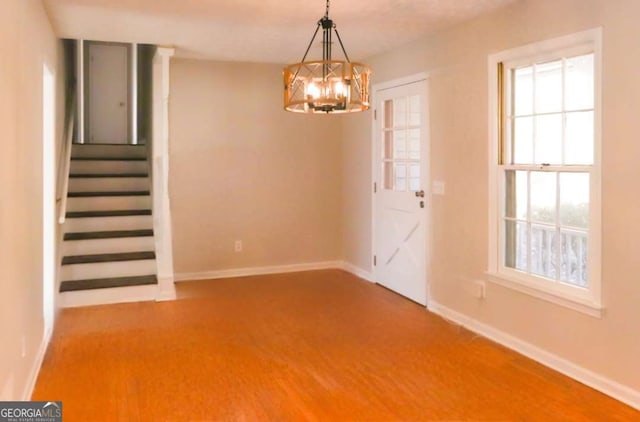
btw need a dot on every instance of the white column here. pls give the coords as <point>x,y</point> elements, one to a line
<point>80,90</point>
<point>133,139</point>
<point>160,159</point>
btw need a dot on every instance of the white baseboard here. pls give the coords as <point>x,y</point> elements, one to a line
<point>108,296</point>
<point>605,385</point>
<point>250,271</point>
<point>35,367</point>
<point>357,271</point>
<point>166,289</point>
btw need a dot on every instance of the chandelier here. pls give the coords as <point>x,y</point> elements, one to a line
<point>326,86</point>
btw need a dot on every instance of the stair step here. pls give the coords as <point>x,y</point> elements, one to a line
<point>92,270</point>
<point>110,213</point>
<point>102,283</point>
<point>95,246</point>
<point>108,234</point>
<point>108,193</point>
<point>108,257</point>
<point>106,175</point>
<point>105,166</point>
<point>103,158</point>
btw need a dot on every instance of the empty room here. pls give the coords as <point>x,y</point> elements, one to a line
<point>321,210</point>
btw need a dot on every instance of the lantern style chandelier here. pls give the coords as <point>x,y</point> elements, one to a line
<point>326,86</point>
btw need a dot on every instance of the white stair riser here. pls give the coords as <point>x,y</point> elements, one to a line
<point>88,150</point>
<point>109,295</point>
<point>106,167</point>
<point>108,184</point>
<point>108,269</point>
<point>100,246</point>
<point>98,224</point>
<point>109,203</point>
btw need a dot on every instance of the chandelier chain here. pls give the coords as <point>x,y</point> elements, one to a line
<point>326,13</point>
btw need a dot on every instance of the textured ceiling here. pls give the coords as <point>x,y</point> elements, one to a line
<point>275,31</point>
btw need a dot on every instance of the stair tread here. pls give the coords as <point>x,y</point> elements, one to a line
<point>102,283</point>
<point>106,175</point>
<point>89,145</point>
<point>108,257</point>
<point>109,158</point>
<point>108,193</point>
<point>108,234</point>
<point>111,213</point>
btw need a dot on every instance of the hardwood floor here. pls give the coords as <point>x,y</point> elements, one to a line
<point>320,345</point>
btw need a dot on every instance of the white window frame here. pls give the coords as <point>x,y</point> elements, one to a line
<point>584,300</point>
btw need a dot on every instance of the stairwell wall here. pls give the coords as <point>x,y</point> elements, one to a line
<point>241,168</point>
<point>27,42</point>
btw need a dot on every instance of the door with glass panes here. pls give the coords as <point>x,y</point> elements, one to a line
<point>400,217</point>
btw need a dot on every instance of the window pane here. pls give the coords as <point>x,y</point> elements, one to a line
<point>523,91</point>
<point>574,199</point>
<point>414,184</point>
<point>516,245</point>
<point>543,196</point>
<point>573,258</point>
<point>414,110</point>
<point>400,144</point>
<point>543,251</point>
<point>414,144</point>
<point>399,112</point>
<point>523,140</point>
<point>548,142</point>
<point>549,87</point>
<point>578,147</point>
<point>516,194</point>
<point>579,85</point>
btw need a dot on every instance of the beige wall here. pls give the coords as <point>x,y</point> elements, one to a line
<point>457,63</point>
<point>26,42</point>
<point>243,169</point>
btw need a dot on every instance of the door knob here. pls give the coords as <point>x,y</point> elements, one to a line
<point>420,194</point>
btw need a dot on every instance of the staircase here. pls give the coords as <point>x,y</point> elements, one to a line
<point>108,246</point>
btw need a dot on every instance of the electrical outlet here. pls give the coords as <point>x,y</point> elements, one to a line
<point>237,246</point>
<point>479,289</point>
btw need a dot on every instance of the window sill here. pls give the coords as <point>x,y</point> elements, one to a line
<point>575,304</point>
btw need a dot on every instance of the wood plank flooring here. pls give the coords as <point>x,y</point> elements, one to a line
<point>320,345</point>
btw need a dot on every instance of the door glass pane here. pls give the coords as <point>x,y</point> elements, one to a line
<point>548,87</point>
<point>579,85</point>
<point>388,114</point>
<point>543,251</point>
<point>574,199</point>
<point>387,145</point>
<point>399,112</point>
<point>548,142</point>
<point>414,144</point>
<point>543,196</point>
<point>400,177</point>
<point>387,175</point>
<point>523,91</point>
<point>573,258</point>
<point>578,147</point>
<point>414,110</point>
<point>400,144</point>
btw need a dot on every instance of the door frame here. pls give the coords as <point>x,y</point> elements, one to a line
<point>426,156</point>
<point>131,88</point>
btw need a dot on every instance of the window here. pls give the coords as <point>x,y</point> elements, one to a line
<point>401,144</point>
<point>545,216</point>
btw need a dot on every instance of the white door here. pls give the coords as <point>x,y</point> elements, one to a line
<point>401,176</point>
<point>108,94</point>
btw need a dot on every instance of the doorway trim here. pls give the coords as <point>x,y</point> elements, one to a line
<point>375,185</point>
